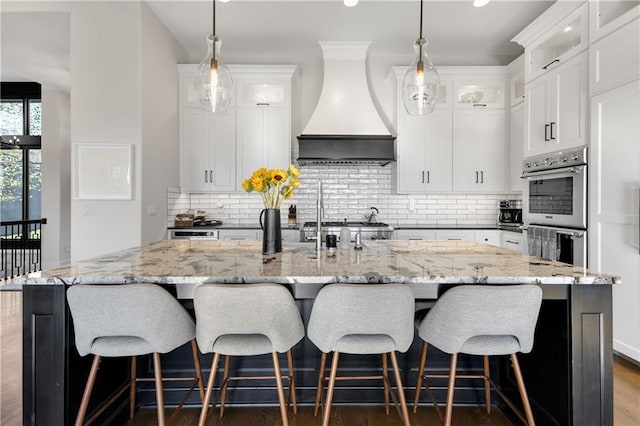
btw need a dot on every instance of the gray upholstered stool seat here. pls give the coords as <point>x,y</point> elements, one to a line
<point>126,321</point>
<point>362,319</point>
<point>481,320</point>
<point>247,319</point>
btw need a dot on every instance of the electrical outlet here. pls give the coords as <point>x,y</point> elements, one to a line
<point>412,204</point>
<point>152,210</point>
<point>90,210</point>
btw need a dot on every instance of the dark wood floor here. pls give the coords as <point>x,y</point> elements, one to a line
<point>626,393</point>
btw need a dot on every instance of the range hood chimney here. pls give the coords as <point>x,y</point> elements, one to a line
<point>345,127</point>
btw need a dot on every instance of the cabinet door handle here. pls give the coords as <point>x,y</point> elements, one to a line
<point>423,176</point>
<point>512,242</point>
<point>211,176</point>
<point>262,104</point>
<point>205,176</point>
<point>481,176</point>
<point>428,176</point>
<point>546,133</point>
<point>551,131</point>
<point>550,63</point>
<point>479,105</point>
<point>476,176</point>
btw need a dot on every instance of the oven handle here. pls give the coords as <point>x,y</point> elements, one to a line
<point>563,231</point>
<point>564,172</point>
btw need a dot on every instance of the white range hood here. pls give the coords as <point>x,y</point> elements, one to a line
<point>345,126</point>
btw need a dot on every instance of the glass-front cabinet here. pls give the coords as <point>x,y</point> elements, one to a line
<point>479,93</point>
<point>605,16</point>
<point>563,41</point>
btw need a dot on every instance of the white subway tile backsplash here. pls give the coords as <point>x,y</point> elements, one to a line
<point>349,191</point>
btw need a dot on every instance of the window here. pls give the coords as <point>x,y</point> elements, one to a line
<point>20,157</point>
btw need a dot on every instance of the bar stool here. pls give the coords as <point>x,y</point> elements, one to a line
<point>247,319</point>
<point>481,320</point>
<point>362,319</point>
<point>128,320</point>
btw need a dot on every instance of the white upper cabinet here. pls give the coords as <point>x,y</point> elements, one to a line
<point>606,16</point>
<point>516,146</point>
<point>207,142</point>
<point>479,151</point>
<point>614,59</point>
<point>218,151</point>
<point>558,44</point>
<point>555,108</point>
<point>263,118</point>
<point>424,152</point>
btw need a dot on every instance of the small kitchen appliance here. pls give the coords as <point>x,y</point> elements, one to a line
<point>510,212</point>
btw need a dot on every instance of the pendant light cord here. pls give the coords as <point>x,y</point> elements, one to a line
<point>214,17</point>
<point>421,2</point>
<point>421,5</point>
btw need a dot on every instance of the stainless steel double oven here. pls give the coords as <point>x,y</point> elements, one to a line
<point>555,205</point>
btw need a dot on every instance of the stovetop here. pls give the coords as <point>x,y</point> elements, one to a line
<point>354,224</point>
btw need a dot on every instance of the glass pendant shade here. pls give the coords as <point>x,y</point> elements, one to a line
<point>421,82</point>
<point>213,79</point>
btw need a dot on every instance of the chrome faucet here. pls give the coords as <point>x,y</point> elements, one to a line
<point>319,214</point>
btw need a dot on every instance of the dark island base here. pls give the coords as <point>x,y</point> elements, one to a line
<point>568,374</point>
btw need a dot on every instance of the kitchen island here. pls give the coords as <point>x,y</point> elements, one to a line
<point>568,374</point>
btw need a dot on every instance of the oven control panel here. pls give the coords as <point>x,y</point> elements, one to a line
<point>556,160</point>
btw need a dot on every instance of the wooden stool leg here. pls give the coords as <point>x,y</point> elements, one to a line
<point>132,389</point>
<point>320,388</point>
<point>87,390</point>
<point>332,383</point>
<point>423,360</point>
<point>157,373</point>
<point>487,384</point>
<point>207,396</point>
<point>283,402</point>
<point>403,400</point>
<point>523,391</point>
<point>292,382</point>
<point>196,364</point>
<point>452,385</point>
<point>385,379</point>
<point>225,382</point>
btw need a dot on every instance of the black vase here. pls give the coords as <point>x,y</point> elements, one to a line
<point>271,231</point>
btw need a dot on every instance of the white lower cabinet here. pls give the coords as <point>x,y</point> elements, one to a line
<point>487,236</point>
<point>512,241</point>
<point>414,234</point>
<point>479,151</point>
<point>240,234</point>
<point>290,235</point>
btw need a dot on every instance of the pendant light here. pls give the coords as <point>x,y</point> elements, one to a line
<point>213,79</point>
<point>421,81</point>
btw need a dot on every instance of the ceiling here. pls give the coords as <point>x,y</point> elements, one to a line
<point>265,31</point>
<point>458,33</point>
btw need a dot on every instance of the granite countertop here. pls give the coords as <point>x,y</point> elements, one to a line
<point>395,261</point>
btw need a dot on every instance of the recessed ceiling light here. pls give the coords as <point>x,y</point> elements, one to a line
<point>350,3</point>
<point>568,28</point>
<point>480,3</point>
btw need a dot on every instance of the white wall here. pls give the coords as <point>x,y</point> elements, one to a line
<point>106,108</point>
<point>56,178</point>
<point>159,153</point>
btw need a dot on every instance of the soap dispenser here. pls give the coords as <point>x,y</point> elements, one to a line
<point>345,237</point>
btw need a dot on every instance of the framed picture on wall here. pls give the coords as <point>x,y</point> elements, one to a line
<point>102,171</point>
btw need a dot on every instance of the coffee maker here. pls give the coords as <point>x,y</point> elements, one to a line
<point>510,212</point>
